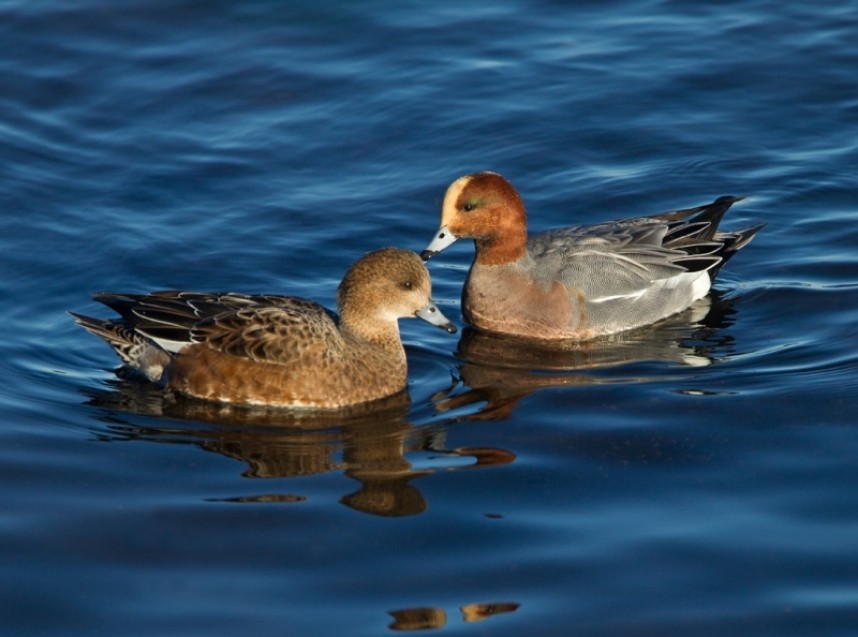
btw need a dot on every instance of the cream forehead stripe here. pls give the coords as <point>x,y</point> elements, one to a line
<point>448,208</point>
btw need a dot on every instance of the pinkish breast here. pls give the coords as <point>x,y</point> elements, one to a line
<point>501,299</point>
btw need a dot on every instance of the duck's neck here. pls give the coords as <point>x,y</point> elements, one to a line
<point>505,247</point>
<point>381,332</point>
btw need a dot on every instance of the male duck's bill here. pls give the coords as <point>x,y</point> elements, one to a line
<point>444,239</point>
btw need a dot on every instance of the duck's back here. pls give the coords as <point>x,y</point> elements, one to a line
<point>584,281</point>
<point>291,352</point>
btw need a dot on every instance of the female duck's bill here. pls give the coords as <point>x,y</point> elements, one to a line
<point>431,314</point>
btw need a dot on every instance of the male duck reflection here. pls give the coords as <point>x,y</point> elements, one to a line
<point>584,281</point>
<point>277,350</point>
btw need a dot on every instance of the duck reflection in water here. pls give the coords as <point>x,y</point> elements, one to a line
<point>369,444</point>
<point>498,370</point>
<point>424,618</point>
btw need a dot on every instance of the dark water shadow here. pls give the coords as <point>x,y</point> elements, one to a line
<point>369,443</point>
<point>500,370</point>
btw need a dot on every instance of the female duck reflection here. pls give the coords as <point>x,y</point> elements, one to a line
<point>370,443</point>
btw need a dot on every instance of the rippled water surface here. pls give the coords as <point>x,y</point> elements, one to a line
<point>697,477</point>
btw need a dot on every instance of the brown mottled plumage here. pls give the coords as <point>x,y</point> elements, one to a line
<point>277,350</point>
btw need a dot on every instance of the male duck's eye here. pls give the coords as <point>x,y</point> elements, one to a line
<point>469,206</point>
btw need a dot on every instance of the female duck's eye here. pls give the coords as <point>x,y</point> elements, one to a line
<point>469,206</point>
<point>407,285</point>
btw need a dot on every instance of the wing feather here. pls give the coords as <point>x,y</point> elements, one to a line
<point>261,327</point>
<point>278,334</point>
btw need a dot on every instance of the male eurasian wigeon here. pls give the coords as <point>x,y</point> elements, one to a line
<point>277,350</point>
<point>583,281</point>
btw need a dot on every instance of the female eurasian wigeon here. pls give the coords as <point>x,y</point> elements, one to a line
<point>277,350</point>
<point>584,281</point>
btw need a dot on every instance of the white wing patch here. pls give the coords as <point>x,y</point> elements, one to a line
<point>631,296</point>
<point>169,346</point>
<point>698,283</point>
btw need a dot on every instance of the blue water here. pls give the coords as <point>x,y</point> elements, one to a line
<point>694,478</point>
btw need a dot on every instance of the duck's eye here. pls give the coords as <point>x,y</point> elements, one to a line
<point>407,285</point>
<point>469,206</point>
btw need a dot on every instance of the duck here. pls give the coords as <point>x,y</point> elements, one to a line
<point>280,351</point>
<point>585,281</point>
